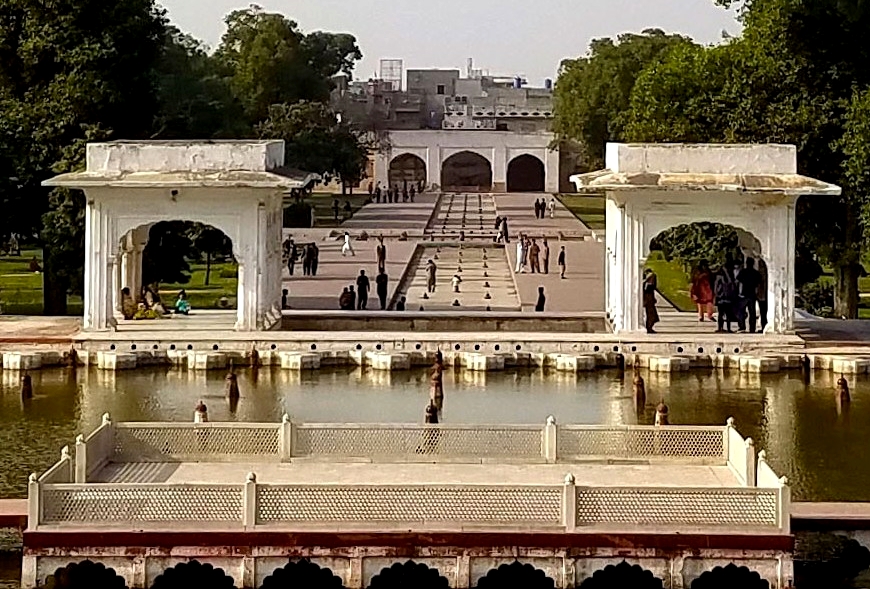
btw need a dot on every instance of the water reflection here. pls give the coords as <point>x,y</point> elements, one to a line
<point>809,436</point>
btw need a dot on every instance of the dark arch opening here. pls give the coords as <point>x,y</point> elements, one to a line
<point>407,168</point>
<point>623,575</point>
<point>408,575</point>
<point>466,172</point>
<point>516,574</point>
<point>823,559</point>
<point>303,573</point>
<point>85,575</point>
<point>193,574</point>
<point>526,173</point>
<point>729,577</point>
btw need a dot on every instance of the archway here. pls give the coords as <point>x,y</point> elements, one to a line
<point>85,575</point>
<point>303,573</point>
<point>466,172</point>
<point>407,168</point>
<point>408,575</point>
<point>516,574</point>
<point>688,260</point>
<point>623,575</point>
<point>729,577</point>
<point>173,256</point>
<point>193,574</point>
<point>526,173</point>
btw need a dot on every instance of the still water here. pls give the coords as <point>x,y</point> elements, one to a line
<point>819,446</point>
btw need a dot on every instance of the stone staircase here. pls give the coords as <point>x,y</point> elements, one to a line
<point>470,214</point>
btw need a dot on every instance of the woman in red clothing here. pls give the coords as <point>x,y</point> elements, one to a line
<point>702,290</point>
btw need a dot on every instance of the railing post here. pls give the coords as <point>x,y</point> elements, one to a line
<point>107,443</point>
<point>249,500</point>
<point>81,460</point>
<point>750,464</point>
<point>65,457</point>
<point>548,441</point>
<point>726,442</point>
<point>285,438</point>
<point>569,503</point>
<point>34,502</point>
<point>784,506</point>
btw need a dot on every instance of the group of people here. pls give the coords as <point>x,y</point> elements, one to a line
<point>737,290</point>
<point>394,194</point>
<point>544,208</point>
<point>150,305</point>
<point>501,225</point>
<point>537,257</point>
<point>357,296</point>
<point>309,254</point>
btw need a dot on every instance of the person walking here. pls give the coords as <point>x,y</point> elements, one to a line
<point>378,193</point>
<point>545,256</point>
<point>412,192</point>
<point>560,261</point>
<point>504,230</point>
<point>431,269</point>
<point>551,207</point>
<point>749,278</point>
<point>347,246</point>
<point>723,292</point>
<point>362,286</point>
<point>542,300</point>
<point>702,290</point>
<point>519,265</point>
<point>650,286</point>
<point>291,261</point>
<point>335,209</point>
<point>761,294</point>
<point>381,281</point>
<point>315,258</point>
<point>371,190</point>
<point>534,259</point>
<point>381,252</point>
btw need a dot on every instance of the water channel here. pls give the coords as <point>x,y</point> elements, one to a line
<point>819,446</point>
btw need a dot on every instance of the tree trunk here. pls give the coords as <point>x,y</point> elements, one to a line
<point>846,290</point>
<point>207,267</point>
<point>54,288</point>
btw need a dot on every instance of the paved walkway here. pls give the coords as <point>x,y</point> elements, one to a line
<point>393,218</point>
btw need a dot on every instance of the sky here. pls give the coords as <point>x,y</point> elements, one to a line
<point>506,37</point>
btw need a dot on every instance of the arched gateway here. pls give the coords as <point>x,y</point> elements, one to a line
<point>650,188</point>
<point>526,173</point>
<point>466,171</point>
<point>235,186</point>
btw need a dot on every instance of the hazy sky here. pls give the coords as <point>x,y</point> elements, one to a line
<point>507,37</point>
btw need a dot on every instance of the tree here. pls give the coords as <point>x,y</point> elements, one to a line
<point>210,241</point>
<point>790,78</point>
<point>68,72</point>
<point>269,61</point>
<point>592,93</point>
<point>165,258</point>
<point>316,141</point>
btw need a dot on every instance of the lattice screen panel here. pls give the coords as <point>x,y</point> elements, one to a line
<point>495,505</point>
<point>190,443</point>
<point>418,441</point>
<point>670,507</point>
<point>101,504</point>
<point>626,443</point>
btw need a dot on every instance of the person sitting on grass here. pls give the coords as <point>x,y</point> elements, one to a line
<point>182,305</point>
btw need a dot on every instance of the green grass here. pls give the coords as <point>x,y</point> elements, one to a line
<point>21,289</point>
<point>200,295</point>
<point>674,283</point>
<point>589,209</point>
<point>323,213</point>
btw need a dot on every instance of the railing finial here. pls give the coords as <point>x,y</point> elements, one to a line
<point>80,439</point>
<point>569,479</point>
<point>285,418</point>
<point>252,477</point>
<point>64,453</point>
<point>783,481</point>
<point>749,442</point>
<point>551,420</point>
<point>762,456</point>
<point>106,419</point>
<point>33,478</point>
<point>730,422</point>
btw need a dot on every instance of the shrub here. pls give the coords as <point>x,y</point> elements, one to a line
<point>817,297</point>
<point>229,273</point>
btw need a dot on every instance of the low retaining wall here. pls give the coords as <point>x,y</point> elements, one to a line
<point>416,322</point>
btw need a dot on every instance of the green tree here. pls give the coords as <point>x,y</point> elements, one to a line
<point>268,60</point>
<point>316,141</point>
<point>165,258</point>
<point>593,92</point>
<point>69,71</point>
<point>790,78</point>
<point>209,242</point>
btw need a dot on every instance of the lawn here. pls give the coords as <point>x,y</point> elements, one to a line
<point>223,282</point>
<point>21,289</point>
<point>324,216</point>
<point>587,208</point>
<point>674,283</point>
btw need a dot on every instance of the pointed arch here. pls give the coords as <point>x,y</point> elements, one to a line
<point>466,171</point>
<point>186,575</point>
<point>85,575</point>
<point>516,574</point>
<point>407,167</point>
<point>526,173</point>
<point>409,575</point>
<point>728,577</point>
<point>302,573</point>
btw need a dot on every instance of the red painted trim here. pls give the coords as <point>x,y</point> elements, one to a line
<point>13,513</point>
<point>406,541</point>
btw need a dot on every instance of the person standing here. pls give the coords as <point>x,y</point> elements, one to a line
<point>542,300</point>
<point>363,286</point>
<point>545,256</point>
<point>306,261</point>
<point>412,192</point>
<point>347,247</point>
<point>405,192</point>
<point>345,302</point>
<point>749,278</point>
<point>519,266</point>
<point>371,190</point>
<point>436,383</point>
<point>761,294</point>
<point>560,261</point>
<point>526,244</point>
<point>702,290</point>
<point>551,206</point>
<point>381,281</point>
<point>537,208</point>
<point>378,193</point>
<point>650,286</point>
<point>335,209</point>
<point>504,230</point>
<point>723,291</point>
<point>534,257</point>
<point>315,258</point>
<point>400,306</point>
<point>352,299</point>
<point>381,252</point>
<point>431,269</point>
<point>291,261</point>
